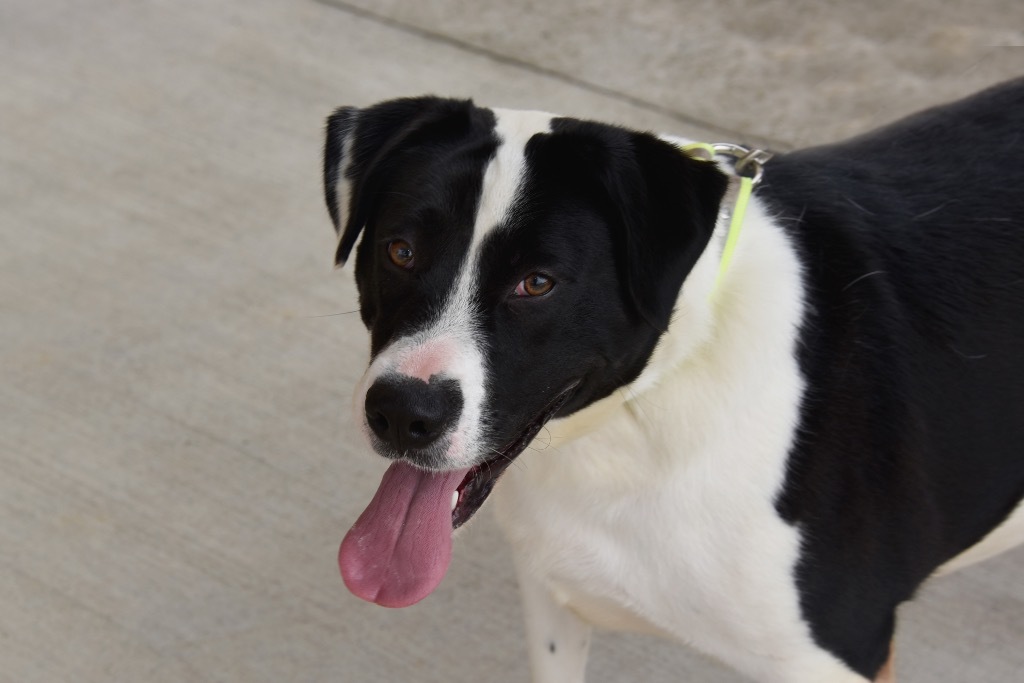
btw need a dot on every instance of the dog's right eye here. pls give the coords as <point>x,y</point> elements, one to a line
<point>400,253</point>
<point>534,284</point>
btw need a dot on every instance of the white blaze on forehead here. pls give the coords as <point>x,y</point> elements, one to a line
<point>503,178</point>
<point>506,171</point>
<point>450,346</point>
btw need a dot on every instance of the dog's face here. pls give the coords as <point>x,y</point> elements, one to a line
<point>511,267</point>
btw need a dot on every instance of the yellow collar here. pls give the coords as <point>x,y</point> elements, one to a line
<point>744,161</point>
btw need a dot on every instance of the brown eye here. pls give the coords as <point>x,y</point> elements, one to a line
<point>400,253</point>
<point>534,284</point>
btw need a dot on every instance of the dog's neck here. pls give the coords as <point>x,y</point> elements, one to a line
<point>713,320</point>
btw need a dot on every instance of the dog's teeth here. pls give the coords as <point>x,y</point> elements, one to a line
<point>455,499</point>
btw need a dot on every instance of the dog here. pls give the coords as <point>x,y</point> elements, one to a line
<point>773,412</point>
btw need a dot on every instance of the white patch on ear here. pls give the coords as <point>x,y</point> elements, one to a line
<point>343,190</point>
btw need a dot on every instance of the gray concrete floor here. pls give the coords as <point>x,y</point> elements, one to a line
<point>176,354</point>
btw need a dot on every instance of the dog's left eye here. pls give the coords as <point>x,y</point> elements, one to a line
<point>534,284</point>
<point>400,253</point>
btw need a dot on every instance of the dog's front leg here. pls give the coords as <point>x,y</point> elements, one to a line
<point>558,641</point>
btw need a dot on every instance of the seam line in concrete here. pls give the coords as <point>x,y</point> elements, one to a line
<point>727,133</point>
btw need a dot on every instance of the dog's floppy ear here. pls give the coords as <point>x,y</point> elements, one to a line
<point>357,145</point>
<point>668,204</point>
<point>337,156</point>
<point>662,202</point>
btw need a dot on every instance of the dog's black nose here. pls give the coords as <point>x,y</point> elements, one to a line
<point>408,414</point>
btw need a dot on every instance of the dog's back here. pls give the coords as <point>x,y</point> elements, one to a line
<point>913,243</point>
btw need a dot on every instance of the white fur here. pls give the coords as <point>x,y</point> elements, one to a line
<point>653,510</point>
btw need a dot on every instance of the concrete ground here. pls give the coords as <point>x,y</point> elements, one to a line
<point>176,353</point>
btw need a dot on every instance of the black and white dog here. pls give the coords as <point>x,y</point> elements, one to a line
<point>763,460</point>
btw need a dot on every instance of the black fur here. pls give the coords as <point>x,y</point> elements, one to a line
<point>664,203</point>
<point>386,139</point>
<point>582,181</point>
<point>911,442</point>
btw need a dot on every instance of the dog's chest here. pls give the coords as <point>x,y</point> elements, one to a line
<point>696,553</point>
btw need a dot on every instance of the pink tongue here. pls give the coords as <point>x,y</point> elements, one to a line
<point>399,549</point>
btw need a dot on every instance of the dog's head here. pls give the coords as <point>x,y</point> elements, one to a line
<point>512,267</point>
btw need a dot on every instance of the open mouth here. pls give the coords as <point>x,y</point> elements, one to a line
<point>480,479</point>
<point>399,549</point>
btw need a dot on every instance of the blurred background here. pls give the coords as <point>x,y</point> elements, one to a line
<point>177,465</point>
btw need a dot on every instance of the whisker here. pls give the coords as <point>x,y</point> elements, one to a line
<point>547,444</point>
<point>328,315</point>
<point>512,461</point>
